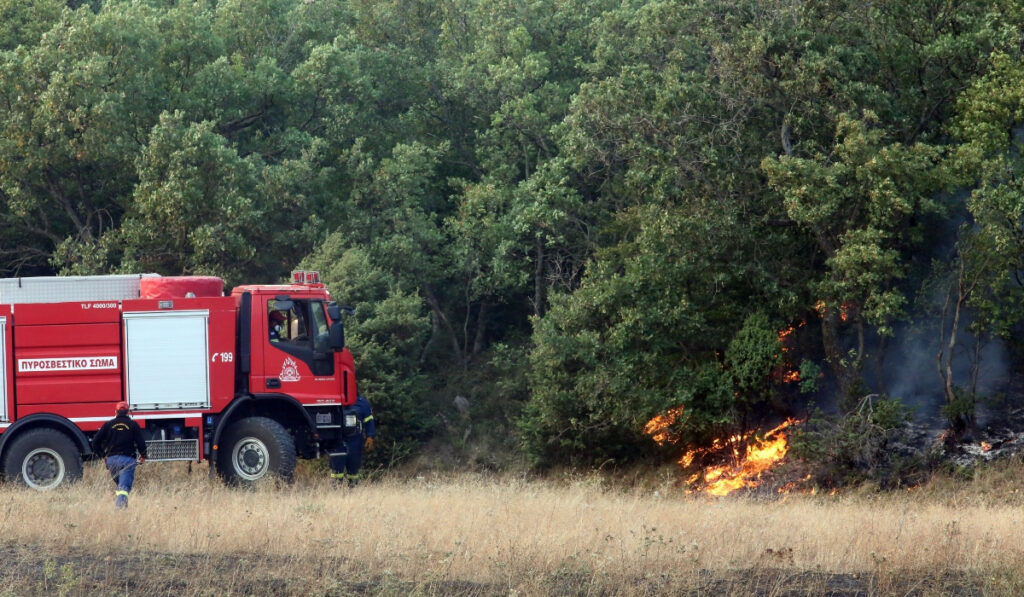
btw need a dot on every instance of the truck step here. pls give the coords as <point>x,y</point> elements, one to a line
<point>172,449</point>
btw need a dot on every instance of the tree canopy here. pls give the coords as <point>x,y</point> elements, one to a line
<point>576,214</point>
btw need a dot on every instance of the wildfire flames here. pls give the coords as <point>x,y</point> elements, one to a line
<point>745,456</point>
<point>659,428</point>
<point>748,456</point>
<point>785,372</point>
<point>844,310</point>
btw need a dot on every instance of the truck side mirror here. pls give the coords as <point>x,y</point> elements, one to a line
<point>334,312</point>
<point>336,338</point>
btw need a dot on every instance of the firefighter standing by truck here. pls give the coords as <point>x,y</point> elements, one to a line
<point>345,465</point>
<point>119,440</point>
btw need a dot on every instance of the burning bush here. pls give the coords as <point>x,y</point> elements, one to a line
<point>729,463</point>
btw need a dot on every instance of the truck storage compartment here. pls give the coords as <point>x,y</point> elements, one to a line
<point>166,363</point>
<point>67,362</point>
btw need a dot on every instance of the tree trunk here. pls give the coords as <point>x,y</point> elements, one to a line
<point>442,319</point>
<point>538,281</point>
<point>961,417</point>
<point>847,371</point>
<point>481,328</point>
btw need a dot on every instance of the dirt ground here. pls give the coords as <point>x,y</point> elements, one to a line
<point>28,571</point>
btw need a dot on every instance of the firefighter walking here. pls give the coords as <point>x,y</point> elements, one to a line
<point>345,465</point>
<point>119,441</point>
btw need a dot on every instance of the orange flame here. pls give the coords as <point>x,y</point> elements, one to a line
<point>794,485</point>
<point>659,428</point>
<point>985,446</point>
<point>761,455</point>
<point>844,309</point>
<point>785,372</point>
<point>749,455</point>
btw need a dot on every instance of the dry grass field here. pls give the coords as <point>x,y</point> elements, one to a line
<point>187,534</point>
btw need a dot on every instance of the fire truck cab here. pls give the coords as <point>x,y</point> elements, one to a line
<point>250,381</point>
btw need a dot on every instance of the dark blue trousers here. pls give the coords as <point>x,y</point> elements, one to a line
<point>345,465</point>
<point>122,471</point>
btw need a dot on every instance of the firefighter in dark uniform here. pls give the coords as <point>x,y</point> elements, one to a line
<point>276,325</point>
<point>119,440</point>
<point>345,465</point>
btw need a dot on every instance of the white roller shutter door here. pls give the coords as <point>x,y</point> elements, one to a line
<point>166,363</point>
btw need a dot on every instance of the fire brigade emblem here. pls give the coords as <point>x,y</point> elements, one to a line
<point>289,371</point>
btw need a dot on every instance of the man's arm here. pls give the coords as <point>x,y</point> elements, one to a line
<point>140,442</point>
<point>366,415</point>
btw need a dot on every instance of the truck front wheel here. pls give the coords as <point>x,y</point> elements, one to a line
<point>254,448</point>
<point>43,459</point>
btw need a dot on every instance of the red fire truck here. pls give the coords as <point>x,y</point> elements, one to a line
<point>250,381</point>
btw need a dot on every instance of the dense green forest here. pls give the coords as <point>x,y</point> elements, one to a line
<point>573,214</point>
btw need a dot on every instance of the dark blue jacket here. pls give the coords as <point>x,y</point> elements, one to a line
<point>120,435</point>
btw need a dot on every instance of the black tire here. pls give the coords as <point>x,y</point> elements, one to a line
<point>256,448</point>
<point>43,459</point>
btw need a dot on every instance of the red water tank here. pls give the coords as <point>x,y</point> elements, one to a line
<point>180,287</point>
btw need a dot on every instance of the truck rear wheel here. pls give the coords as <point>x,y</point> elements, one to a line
<point>254,448</point>
<point>43,459</point>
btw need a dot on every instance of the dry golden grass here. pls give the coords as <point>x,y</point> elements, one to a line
<point>187,534</point>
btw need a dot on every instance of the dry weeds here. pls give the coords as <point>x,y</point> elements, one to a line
<point>187,534</point>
